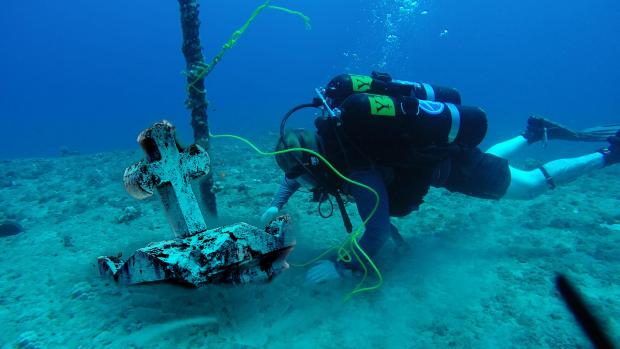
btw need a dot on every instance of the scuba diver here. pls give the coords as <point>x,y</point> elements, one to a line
<point>400,138</point>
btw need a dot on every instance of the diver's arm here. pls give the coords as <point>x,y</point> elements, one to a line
<point>288,187</point>
<point>378,227</point>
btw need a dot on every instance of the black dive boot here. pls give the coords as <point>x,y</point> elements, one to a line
<point>541,129</point>
<point>612,153</point>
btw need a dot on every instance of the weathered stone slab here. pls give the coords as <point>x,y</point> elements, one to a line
<point>9,228</point>
<point>238,253</point>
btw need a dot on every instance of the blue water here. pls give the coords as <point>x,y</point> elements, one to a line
<point>90,76</point>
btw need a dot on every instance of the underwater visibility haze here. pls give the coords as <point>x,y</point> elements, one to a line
<point>79,81</point>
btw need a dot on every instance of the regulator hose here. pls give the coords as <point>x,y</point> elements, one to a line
<point>293,111</point>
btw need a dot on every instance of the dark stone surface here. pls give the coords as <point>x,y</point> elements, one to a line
<point>9,228</point>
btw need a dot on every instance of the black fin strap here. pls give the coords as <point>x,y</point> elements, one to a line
<point>343,212</point>
<point>548,177</point>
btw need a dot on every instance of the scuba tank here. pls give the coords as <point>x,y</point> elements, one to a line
<point>344,85</point>
<point>380,119</point>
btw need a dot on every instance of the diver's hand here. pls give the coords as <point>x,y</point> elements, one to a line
<point>268,215</point>
<point>324,270</point>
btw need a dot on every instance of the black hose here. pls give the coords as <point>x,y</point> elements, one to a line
<point>331,206</point>
<point>343,212</point>
<point>291,112</point>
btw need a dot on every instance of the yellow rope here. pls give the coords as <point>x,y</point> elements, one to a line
<point>351,241</point>
<point>206,69</point>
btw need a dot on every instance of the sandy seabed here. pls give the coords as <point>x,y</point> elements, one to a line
<point>478,274</point>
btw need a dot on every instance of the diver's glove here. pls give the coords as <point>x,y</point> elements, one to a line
<point>269,215</point>
<point>324,270</point>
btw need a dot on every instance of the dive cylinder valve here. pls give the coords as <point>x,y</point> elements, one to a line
<point>344,85</point>
<point>320,93</point>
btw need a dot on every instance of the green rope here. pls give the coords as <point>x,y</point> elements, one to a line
<point>305,18</point>
<point>206,69</point>
<point>351,242</point>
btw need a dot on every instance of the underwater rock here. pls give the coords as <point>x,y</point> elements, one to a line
<point>10,228</point>
<point>65,151</point>
<point>129,214</point>
<point>67,241</point>
<point>217,187</point>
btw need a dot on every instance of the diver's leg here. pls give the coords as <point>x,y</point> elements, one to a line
<point>474,173</point>
<point>537,129</point>
<point>529,184</point>
<point>487,175</point>
<point>507,148</point>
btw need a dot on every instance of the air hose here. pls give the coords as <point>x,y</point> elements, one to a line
<point>314,104</point>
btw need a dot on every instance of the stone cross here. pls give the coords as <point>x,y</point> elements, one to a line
<point>237,253</point>
<point>169,170</point>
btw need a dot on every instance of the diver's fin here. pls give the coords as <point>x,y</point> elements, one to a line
<point>543,129</point>
<point>598,134</point>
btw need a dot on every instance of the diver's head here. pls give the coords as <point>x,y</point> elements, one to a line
<point>299,165</point>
